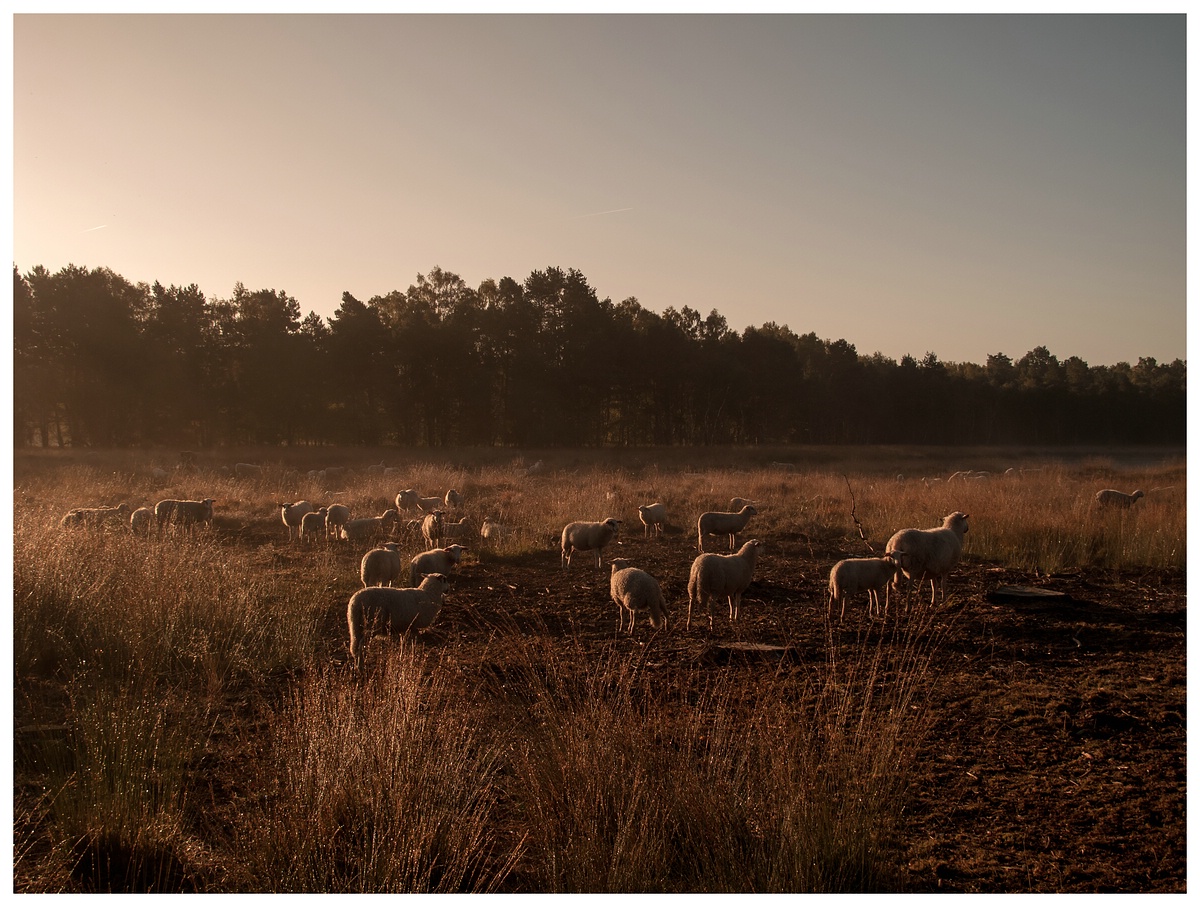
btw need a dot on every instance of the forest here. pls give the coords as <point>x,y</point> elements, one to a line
<point>99,361</point>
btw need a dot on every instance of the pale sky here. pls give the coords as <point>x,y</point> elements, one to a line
<point>961,185</point>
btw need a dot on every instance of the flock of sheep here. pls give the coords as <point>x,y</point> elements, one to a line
<point>919,555</point>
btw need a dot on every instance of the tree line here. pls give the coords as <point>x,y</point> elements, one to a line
<point>101,361</point>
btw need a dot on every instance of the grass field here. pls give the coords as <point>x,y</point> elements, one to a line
<point>185,717</point>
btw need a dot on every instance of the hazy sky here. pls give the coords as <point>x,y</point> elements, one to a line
<point>961,185</point>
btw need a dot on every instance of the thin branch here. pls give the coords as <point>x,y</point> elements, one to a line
<point>854,514</point>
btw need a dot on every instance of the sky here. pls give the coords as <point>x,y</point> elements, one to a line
<point>962,185</point>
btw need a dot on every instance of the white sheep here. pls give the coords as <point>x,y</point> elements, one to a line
<point>437,560</point>
<point>929,553</point>
<point>140,520</point>
<point>652,515</point>
<point>398,609</point>
<point>718,523</point>
<point>292,514</point>
<point>633,590</point>
<point>458,530</point>
<point>736,504</point>
<point>95,516</point>
<point>1110,497</point>
<point>312,524</point>
<point>492,531</point>
<point>335,518</point>
<point>184,513</point>
<point>370,527</point>
<point>855,575</point>
<point>584,536</point>
<point>431,527</point>
<point>407,500</point>
<point>381,566</point>
<point>453,499</point>
<point>724,575</point>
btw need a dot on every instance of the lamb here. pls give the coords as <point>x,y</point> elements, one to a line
<point>292,514</point>
<point>431,527</point>
<point>399,609</point>
<point>652,515</point>
<point>856,575</point>
<point>929,553</point>
<point>335,518</point>
<point>95,516</point>
<point>381,566</point>
<point>140,519</point>
<point>438,560</point>
<point>584,536</point>
<point>633,589</point>
<point>718,523</point>
<point>312,524</point>
<point>1110,497</point>
<point>184,513</point>
<point>371,527</point>
<point>725,575</point>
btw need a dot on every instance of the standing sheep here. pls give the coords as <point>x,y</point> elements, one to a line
<point>140,520</point>
<point>399,609</point>
<point>632,590</point>
<point>856,575</point>
<point>335,518</point>
<point>95,516</point>
<point>652,515</point>
<point>584,536</point>
<point>312,524</point>
<point>431,528</point>
<point>929,553</point>
<point>453,499</point>
<point>438,560</point>
<point>724,575</point>
<point>184,513</point>
<point>381,566</point>
<point>1110,497</point>
<point>718,523</point>
<point>370,527</point>
<point>292,514</point>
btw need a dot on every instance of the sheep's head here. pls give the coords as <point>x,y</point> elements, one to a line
<point>619,564</point>
<point>614,523</point>
<point>455,552</point>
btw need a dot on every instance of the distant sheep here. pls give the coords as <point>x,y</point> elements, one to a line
<point>722,575</point>
<point>184,513</point>
<point>312,524</point>
<point>584,536</point>
<point>492,530</point>
<point>335,518</point>
<point>140,520</point>
<point>95,516</point>
<point>718,523</point>
<point>371,527</point>
<point>634,590</point>
<point>1110,497</point>
<point>855,575</point>
<point>736,504</point>
<point>431,527</point>
<point>410,499</point>
<point>381,566</point>
<point>453,499</point>
<point>929,553</point>
<point>292,514</point>
<point>397,609</point>
<point>652,515</point>
<point>247,470</point>
<point>458,530</point>
<point>438,560</point>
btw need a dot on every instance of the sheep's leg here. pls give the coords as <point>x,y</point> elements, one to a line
<point>632,618</point>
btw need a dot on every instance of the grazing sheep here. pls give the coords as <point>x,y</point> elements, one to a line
<point>929,553</point>
<point>247,470</point>
<point>335,518</point>
<point>431,527</point>
<point>370,527</point>
<point>407,500</point>
<point>399,609</point>
<point>292,514</point>
<point>375,469</point>
<point>453,499</point>
<point>492,530</point>
<point>584,536</point>
<point>184,513</point>
<point>1110,497</point>
<point>633,589</point>
<point>381,566</point>
<point>856,575</point>
<point>140,519</point>
<point>95,516</point>
<point>652,515</point>
<point>725,575</point>
<point>438,560</point>
<point>718,523</point>
<point>312,524</point>
<point>459,530</point>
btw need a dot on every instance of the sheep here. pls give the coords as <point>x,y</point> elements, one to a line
<point>381,566</point>
<point>292,514</point>
<point>459,530</point>
<point>1110,497</point>
<point>717,523</point>
<point>410,499</point>
<point>371,527</point>
<point>375,469</point>
<point>247,470</point>
<point>184,513</point>
<point>335,518</point>
<point>140,519</point>
<point>726,575</point>
<point>399,609</point>
<point>584,536</point>
<point>652,515</point>
<point>453,499</point>
<point>633,589</point>
<point>736,504</point>
<point>854,575</point>
<point>431,527</point>
<point>437,560</point>
<point>929,553</point>
<point>312,524</point>
<point>95,516</point>
<point>492,531</point>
